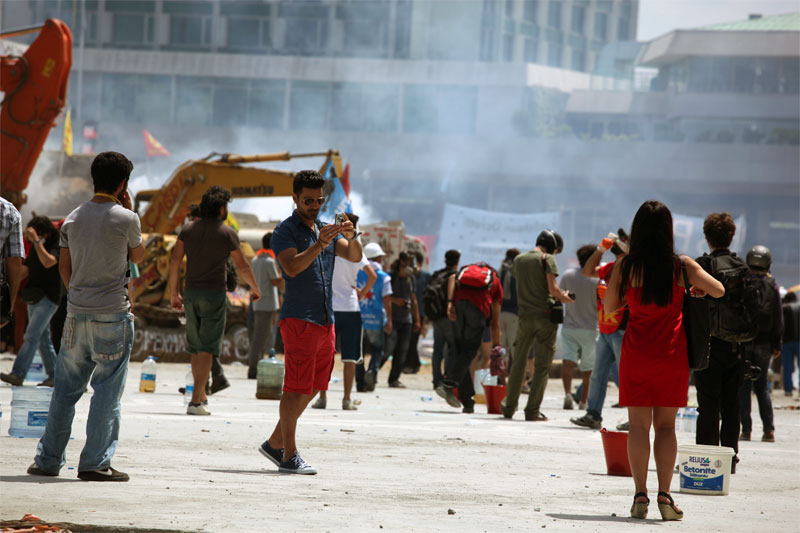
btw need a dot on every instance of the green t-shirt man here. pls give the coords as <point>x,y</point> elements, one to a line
<point>533,296</point>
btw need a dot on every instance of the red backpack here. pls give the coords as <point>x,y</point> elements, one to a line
<point>477,276</point>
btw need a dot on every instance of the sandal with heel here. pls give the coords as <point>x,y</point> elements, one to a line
<point>668,510</point>
<point>639,509</point>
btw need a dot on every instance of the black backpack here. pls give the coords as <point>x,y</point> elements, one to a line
<point>733,315</point>
<point>434,297</point>
<point>765,303</point>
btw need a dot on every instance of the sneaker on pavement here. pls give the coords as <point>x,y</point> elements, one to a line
<point>396,384</point>
<point>582,406</point>
<point>218,385</point>
<point>568,402</point>
<point>369,380</point>
<point>273,454</point>
<point>109,474</point>
<point>349,405</point>
<point>321,403</point>
<point>296,465</point>
<point>34,470</point>
<point>11,379</point>
<point>447,393</point>
<point>587,421</point>
<point>625,426</point>
<point>197,409</point>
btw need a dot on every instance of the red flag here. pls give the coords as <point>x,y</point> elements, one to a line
<point>345,179</point>
<point>152,146</point>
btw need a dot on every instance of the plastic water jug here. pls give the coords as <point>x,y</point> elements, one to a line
<point>29,407</point>
<point>477,384</point>
<point>36,371</point>
<point>689,420</point>
<point>147,381</point>
<point>187,395</point>
<point>269,379</point>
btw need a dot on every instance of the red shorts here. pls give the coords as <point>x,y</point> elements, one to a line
<point>309,351</point>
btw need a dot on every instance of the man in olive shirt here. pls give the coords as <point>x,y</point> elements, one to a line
<point>535,273</point>
<point>206,243</point>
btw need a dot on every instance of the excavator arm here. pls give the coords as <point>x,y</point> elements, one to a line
<point>169,205</point>
<point>35,87</point>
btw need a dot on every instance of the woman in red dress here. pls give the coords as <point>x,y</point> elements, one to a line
<point>654,367</point>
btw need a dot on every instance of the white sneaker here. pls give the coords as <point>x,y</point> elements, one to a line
<point>199,410</point>
<point>321,403</point>
<point>349,405</point>
<point>568,404</point>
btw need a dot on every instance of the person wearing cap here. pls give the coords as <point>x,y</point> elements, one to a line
<point>535,272</point>
<point>376,317</point>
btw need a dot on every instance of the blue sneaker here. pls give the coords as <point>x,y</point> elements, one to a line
<point>271,453</point>
<point>296,465</point>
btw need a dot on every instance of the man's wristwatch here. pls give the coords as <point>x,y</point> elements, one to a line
<point>355,236</point>
<point>37,241</point>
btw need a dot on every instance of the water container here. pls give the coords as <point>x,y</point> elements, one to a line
<point>187,395</point>
<point>36,371</point>
<point>147,381</point>
<point>477,384</point>
<point>689,420</point>
<point>29,407</point>
<point>269,379</point>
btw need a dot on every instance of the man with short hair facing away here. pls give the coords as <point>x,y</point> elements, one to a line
<point>347,316</point>
<point>579,333</point>
<point>206,243</point>
<point>470,308</point>
<point>265,309</point>
<point>97,239</point>
<point>305,249</point>
<point>444,340</point>
<point>376,317</point>
<point>535,273</point>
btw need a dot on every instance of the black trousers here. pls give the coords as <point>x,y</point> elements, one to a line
<point>469,326</point>
<point>718,396</point>
<point>412,356</point>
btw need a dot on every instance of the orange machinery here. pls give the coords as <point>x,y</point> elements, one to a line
<point>35,87</point>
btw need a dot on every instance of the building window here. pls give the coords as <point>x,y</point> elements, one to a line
<point>601,26</point>
<point>508,47</point>
<point>266,107</point>
<point>623,29</point>
<point>230,102</point>
<point>306,27</point>
<point>248,33</point>
<point>530,10</point>
<point>402,29</point>
<point>136,98</point>
<point>488,29</point>
<point>194,101</point>
<point>310,103</point>
<point>364,107</point>
<point>531,50</point>
<point>578,60</point>
<point>554,14</point>
<point>132,29</point>
<point>187,30</point>
<point>554,52</point>
<point>439,109</point>
<point>365,26</point>
<point>578,20</point>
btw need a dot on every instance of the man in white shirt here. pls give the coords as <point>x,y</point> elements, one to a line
<point>347,318</point>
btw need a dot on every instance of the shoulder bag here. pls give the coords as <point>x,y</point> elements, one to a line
<point>697,325</point>
<point>556,310</point>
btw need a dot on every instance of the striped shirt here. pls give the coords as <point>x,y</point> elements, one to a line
<point>10,233</point>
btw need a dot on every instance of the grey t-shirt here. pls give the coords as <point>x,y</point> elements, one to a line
<point>583,313</point>
<point>98,236</point>
<point>265,270</point>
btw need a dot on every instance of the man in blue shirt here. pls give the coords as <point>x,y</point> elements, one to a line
<point>305,250</point>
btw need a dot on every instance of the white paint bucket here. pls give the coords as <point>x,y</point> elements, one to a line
<point>705,469</point>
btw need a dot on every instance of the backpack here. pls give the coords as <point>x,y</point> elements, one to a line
<point>732,316</point>
<point>765,302</point>
<point>477,276</point>
<point>434,297</point>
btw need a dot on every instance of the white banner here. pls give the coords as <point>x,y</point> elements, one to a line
<point>486,235</point>
<point>689,238</point>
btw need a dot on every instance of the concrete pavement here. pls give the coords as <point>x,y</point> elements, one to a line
<point>399,463</point>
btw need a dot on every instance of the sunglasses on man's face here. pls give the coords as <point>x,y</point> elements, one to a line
<point>312,201</point>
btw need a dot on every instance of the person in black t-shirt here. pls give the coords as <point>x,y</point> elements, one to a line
<point>42,293</point>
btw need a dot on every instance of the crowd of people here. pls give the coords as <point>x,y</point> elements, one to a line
<point>620,320</point>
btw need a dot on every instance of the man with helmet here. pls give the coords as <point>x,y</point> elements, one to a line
<point>535,273</point>
<point>766,346</point>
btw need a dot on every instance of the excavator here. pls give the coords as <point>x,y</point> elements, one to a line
<point>156,322</point>
<point>35,87</point>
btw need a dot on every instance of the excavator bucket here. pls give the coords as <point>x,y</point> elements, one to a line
<point>35,87</point>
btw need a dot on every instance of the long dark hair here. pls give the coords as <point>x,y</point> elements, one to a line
<point>652,256</point>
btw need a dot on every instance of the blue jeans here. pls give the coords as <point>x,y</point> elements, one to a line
<point>97,347</point>
<point>373,344</point>
<point>607,352</point>
<point>37,337</point>
<point>444,346</point>
<point>789,354</point>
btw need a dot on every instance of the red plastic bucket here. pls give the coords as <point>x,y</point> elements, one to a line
<point>494,395</point>
<point>615,446</point>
